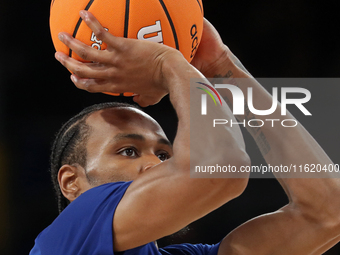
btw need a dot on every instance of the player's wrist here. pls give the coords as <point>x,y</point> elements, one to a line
<point>176,70</point>
<point>222,66</point>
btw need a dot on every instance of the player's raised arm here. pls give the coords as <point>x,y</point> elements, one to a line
<point>164,199</point>
<point>310,223</point>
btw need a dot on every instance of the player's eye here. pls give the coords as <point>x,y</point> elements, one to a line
<point>129,152</point>
<point>163,156</point>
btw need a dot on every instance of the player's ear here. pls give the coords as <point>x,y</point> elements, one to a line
<point>70,178</point>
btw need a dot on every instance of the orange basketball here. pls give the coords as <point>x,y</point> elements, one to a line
<point>176,23</point>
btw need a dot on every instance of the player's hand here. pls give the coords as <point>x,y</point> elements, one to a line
<point>215,59</point>
<point>127,65</point>
<point>211,52</point>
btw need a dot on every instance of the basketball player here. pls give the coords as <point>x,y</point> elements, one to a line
<point>127,186</point>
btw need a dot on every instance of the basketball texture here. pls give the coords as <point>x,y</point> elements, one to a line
<point>176,23</point>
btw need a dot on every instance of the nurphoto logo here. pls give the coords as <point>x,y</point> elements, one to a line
<point>240,105</point>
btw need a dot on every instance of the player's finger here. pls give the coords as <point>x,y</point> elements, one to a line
<point>84,70</point>
<point>101,33</point>
<point>84,51</point>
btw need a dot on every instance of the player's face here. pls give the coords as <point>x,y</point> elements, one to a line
<point>123,144</point>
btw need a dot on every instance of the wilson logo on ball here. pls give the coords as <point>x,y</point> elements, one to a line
<point>146,32</point>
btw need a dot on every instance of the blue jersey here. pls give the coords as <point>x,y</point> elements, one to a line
<point>85,227</point>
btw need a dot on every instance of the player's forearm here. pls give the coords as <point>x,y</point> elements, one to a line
<point>185,98</point>
<point>291,147</point>
<point>315,201</point>
<point>278,144</point>
<point>283,232</point>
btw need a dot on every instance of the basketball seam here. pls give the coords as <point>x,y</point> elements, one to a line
<point>171,23</point>
<point>198,1</point>
<point>126,22</point>
<point>79,22</point>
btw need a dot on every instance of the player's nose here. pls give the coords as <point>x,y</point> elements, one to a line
<point>151,161</point>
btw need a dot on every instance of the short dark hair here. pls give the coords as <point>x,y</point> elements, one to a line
<point>69,146</point>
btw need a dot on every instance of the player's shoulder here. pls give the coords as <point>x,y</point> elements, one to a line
<point>93,200</point>
<point>190,249</point>
<point>108,189</point>
<point>85,223</point>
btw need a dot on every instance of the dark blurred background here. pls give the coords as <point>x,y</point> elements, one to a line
<point>289,38</point>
